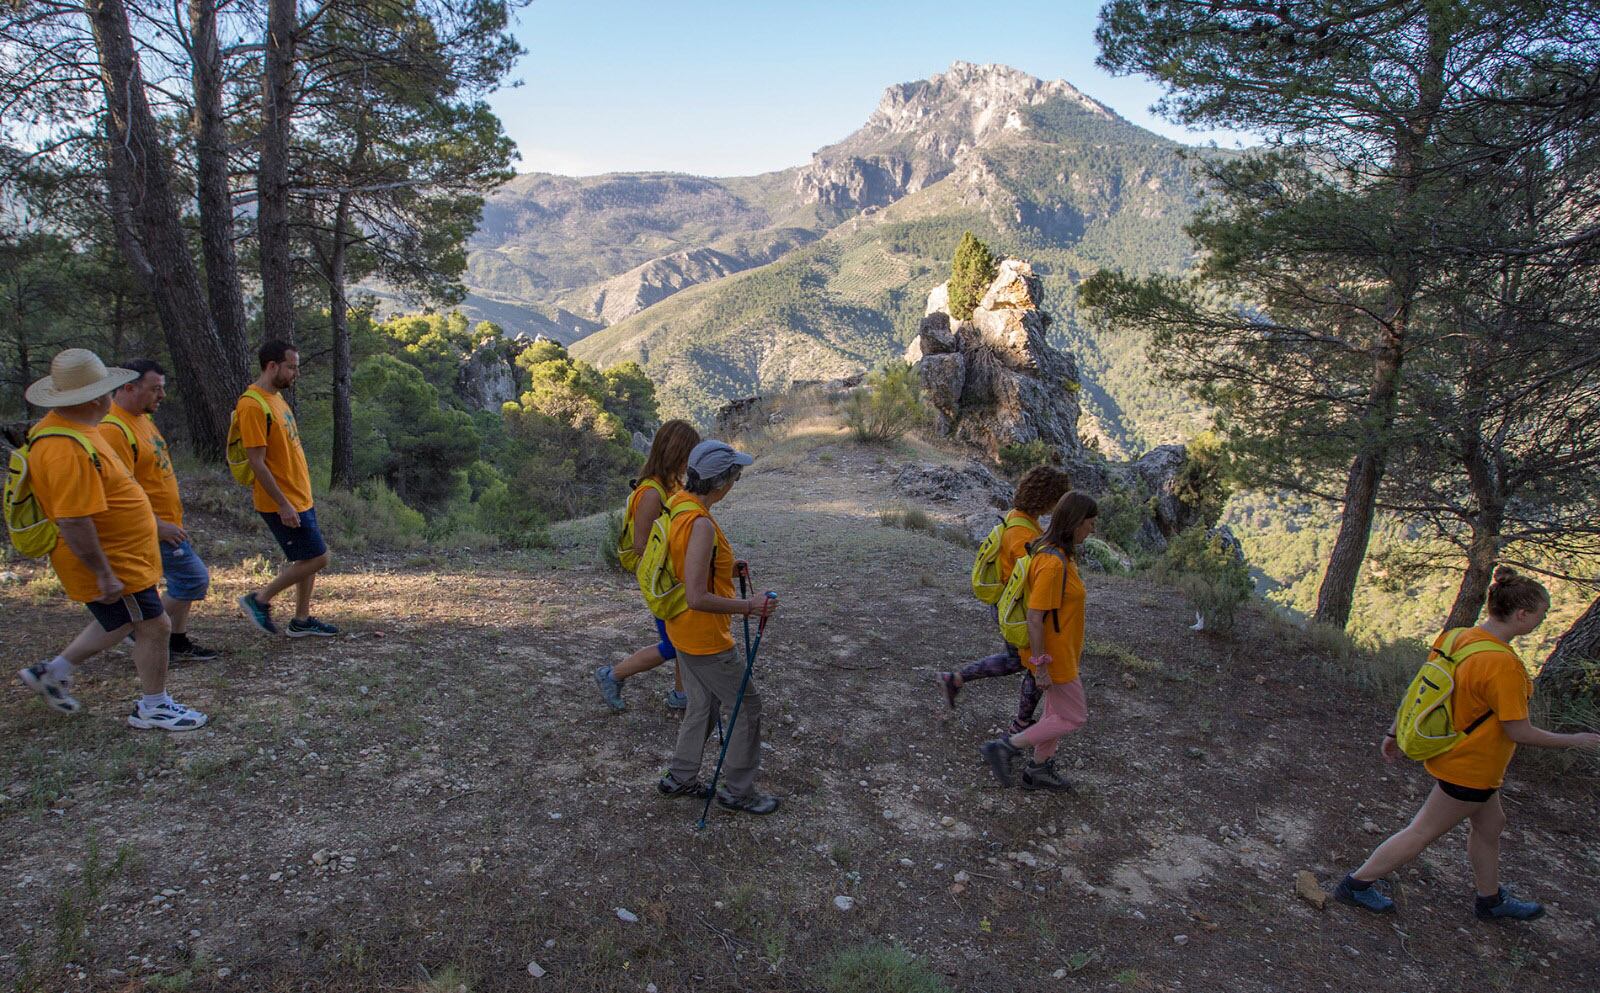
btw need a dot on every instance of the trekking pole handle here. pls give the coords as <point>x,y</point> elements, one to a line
<point>763,625</point>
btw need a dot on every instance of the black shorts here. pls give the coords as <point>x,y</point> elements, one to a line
<point>301,543</point>
<point>1466,794</point>
<point>141,606</point>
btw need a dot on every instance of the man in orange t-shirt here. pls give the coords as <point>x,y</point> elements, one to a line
<point>131,432</point>
<point>105,555</point>
<point>282,493</point>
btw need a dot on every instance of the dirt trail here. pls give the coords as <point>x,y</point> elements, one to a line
<point>441,805</point>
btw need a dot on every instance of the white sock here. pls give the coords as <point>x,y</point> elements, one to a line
<point>152,700</point>
<point>59,668</point>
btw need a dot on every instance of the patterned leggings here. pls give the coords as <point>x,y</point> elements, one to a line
<point>1005,664</point>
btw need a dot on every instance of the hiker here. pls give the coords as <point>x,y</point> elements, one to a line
<point>712,669</point>
<point>282,493</point>
<point>1037,492</point>
<point>1489,708</point>
<point>661,477</point>
<point>1055,623</point>
<point>105,553</point>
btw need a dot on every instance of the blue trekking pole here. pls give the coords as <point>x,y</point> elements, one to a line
<point>749,666</point>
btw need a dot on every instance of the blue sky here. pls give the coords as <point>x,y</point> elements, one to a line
<point>731,89</point>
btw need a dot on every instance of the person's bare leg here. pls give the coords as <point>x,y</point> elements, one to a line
<point>178,611</point>
<point>292,575</point>
<point>93,640</point>
<point>302,596</point>
<point>1483,845</point>
<point>643,660</point>
<point>150,643</point>
<point>1438,815</point>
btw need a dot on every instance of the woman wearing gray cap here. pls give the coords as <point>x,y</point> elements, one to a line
<point>703,636</point>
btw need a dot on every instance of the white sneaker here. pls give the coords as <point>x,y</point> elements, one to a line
<point>53,691</point>
<point>167,717</point>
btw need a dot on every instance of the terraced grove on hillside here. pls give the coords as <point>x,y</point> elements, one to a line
<point>438,799</point>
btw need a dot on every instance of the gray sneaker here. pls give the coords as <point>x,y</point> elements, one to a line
<point>677,700</point>
<point>610,688</point>
<point>1002,757</point>
<point>1043,776</point>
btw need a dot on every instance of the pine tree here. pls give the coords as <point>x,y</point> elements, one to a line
<point>971,272</point>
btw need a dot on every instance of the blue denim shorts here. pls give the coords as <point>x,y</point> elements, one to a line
<point>664,646</point>
<point>187,577</point>
<point>140,606</point>
<point>301,543</point>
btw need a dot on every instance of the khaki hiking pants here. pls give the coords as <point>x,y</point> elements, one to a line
<point>712,682</point>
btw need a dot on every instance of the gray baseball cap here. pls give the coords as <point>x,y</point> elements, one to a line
<point>711,458</point>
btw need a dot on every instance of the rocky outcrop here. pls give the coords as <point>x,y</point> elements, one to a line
<point>488,379</point>
<point>969,492</point>
<point>995,380</point>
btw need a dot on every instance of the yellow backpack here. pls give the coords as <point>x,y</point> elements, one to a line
<point>1425,725</point>
<point>663,590</point>
<point>987,585</point>
<point>1014,599</point>
<point>32,533</point>
<point>625,554</point>
<point>238,458</point>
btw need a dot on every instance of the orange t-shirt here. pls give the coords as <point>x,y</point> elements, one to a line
<point>150,460</point>
<point>286,460</point>
<point>1494,683</point>
<point>1055,586</point>
<point>69,483</point>
<point>1014,540</point>
<point>695,631</point>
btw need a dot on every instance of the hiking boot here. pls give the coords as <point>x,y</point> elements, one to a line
<point>1505,907</point>
<point>947,682</point>
<point>667,786</point>
<point>677,700</point>
<point>181,648</point>
<point>1367,898</point>
<point>610,688</point>
<point>54,692</point>
<point>260,614</point>
<point>310,628</point>
<point>759,804</point>
<point>1018,725</point>
<point>1002,757</point>
<point>1043,776</point>
<point>166,717</point>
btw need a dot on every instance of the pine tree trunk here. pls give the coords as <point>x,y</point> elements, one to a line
<point>272,176</point>
<point>152,237</point>
<point>1563,671</point>
<point>1481,556</point>
<point>344,448</point>
<point>212,190</point>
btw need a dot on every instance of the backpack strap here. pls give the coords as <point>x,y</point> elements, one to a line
<point>88,446</point>
<point>1447,649</point>
<point>127,432</point>
<point>266,408</point>
<point>689,505</point>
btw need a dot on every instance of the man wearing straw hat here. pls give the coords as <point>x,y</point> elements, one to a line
<point>106,555</point>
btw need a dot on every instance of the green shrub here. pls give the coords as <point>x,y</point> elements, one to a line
<point>1107,556</point>
<point>888,406</point>
<point>511,518</point>
<point>373,517</point>
<point>912,519</point>
<point>971,272</point>
<point>1203,483</point>
<point>1122,513</point>
<point>609,537</point>
<point>1015,460</point>
<point>880,969</point>
<point>1209,575</point>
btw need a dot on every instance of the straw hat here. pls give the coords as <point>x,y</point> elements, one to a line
<point>76,376</point>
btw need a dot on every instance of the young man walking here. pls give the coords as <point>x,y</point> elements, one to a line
<point>131,432</point>
<point>282,493</point>
<point>106,554</point>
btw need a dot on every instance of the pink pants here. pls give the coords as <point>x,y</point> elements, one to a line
<point>1065,711</point>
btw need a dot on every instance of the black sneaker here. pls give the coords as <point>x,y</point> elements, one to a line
<point>1002,757</point>
<point>759,804</point>
<point>1505,907</point>
<point>260,614</point>
<point>310,628</point>
<point>1043,776</point>
<point>181,648</point>
<point>1368,898</point>
<point>667,786</point>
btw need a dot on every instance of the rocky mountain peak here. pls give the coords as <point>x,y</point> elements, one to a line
<point>922,131</point>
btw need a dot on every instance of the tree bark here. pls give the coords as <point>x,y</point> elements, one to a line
<point>344,448</point>
<point>1564,673</point>
<point>152,237</point>
<point>272,176</point>
<point>213,193</point>
<point>1481,557</point>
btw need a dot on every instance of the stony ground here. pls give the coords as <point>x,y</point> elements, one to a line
<point>438,798</point>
